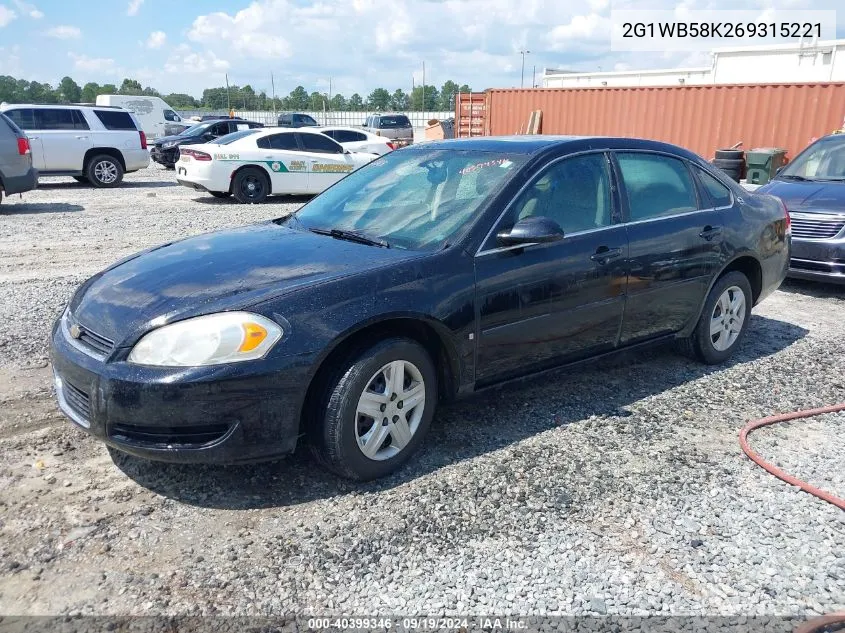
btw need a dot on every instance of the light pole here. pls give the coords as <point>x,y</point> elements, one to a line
<point>522,74</point>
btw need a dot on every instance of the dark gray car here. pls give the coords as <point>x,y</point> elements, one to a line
<point>16,171</point>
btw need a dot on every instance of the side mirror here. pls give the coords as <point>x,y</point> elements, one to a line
<point>531,230</point>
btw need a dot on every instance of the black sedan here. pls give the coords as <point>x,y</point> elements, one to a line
<point>165,150</point>
<point>813,188</point>
<point>433,272</point>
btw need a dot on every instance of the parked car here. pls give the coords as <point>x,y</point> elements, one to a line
<point>254,164</point>
<point>296,119</point>
<point>432,272</point>
<point>165,151</point>
<point>396,127</point>
<point>217,117</point>
<point>156,116</point>
<point>357,140</point>
<point>813,188</point>
<point>17,174</point>
<point>97,145</point>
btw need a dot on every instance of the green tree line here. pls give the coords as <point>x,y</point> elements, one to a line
<point>237,97</point>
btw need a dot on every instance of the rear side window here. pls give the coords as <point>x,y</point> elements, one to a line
<point>657,185</point>
<point>23,118</point>
<point>115,120</point>
<point>12,125</point>
<point>345,136</point>
<point>719,194</point>
<point>278,141</point>
<point>304,119</point>
<point>58,119</point>
<point>387,122</point>
<point>320,143</point>
<point>285,119</point>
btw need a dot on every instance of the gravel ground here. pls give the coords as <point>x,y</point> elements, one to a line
<point>614,489</point>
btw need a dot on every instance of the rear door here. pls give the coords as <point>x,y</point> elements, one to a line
<point>327,160</point>
<point>288,169</point>
<point>675,238</point>
<point>543,304</point>
<point>65,138</point>
<point>25,120</point>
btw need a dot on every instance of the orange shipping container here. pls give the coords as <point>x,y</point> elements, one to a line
<point>700,118</point>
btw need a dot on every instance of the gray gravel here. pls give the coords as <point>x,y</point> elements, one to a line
<point>616,489</point>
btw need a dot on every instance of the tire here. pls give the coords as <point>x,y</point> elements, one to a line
<point>220,194</point>
<point>251,186</point>
<point>170,165</point>
<point>104,171</point>
<point>730,154</point>
<point>728,163</point>
<point>81,179</point>
<point>715,348</point>
<point>341,433</point>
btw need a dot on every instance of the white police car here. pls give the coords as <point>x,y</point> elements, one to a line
<point>253,164</point>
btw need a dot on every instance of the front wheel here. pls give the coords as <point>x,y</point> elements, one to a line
<point>251,186</point>
<point>724,320</point>
<point>377,412</point>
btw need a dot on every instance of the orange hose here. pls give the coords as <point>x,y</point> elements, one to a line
<point>820,624</point>
<point>777,472</point>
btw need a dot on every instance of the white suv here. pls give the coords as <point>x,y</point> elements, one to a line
<point>93,144</point>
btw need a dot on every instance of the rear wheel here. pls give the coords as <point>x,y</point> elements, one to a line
<point>220,194</point>
<point>723,322</point>
<point>104,171</point>
<point>376,411</point>
<point>251,186</point>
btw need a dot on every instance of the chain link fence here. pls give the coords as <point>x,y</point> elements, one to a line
<point>346,117</point>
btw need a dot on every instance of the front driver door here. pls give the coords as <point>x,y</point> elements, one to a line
<point>327,161</point>
<point>288,169</point>
<point>545,304</point>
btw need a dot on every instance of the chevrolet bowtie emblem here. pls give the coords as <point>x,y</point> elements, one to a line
<point>75,331</point>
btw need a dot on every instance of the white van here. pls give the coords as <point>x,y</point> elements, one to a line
<point>156,117</point>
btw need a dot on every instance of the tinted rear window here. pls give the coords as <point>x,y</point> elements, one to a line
<point>11,124</point>
<point>304,118</point>
<point>394,121</point>
<point>115,120</point>
<point>320,143</point>
<point>23,117</point>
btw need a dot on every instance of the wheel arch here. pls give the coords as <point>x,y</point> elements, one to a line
<point>427,331</point>
<point>108,151</point>
<point>262,168</point>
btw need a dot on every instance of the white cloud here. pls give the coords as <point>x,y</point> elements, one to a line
<point>6,15</point>
<point>253,32</point>
<point>64,32</point>
<point>29,9</point>
<point>186,60</point>
<point>156,39</point>
<point>134,7</point>
<point>104,65</point>
<point>580,27</point>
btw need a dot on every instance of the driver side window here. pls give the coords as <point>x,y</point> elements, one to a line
<point>574,192</point>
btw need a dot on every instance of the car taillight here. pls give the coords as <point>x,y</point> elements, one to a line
<point>143,139</point>
<point>23,146</point>
<point>788,219</point>
<point>391,145</point>
<point>195,154</point>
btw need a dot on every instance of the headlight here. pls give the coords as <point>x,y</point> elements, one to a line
<point>168,145</point>
<point>226,337</point>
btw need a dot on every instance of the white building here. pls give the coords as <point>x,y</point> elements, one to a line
<point>785,63</point>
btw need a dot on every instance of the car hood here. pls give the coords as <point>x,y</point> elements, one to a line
<point>224,270</point>
<point>819,197</point>
<point>161,140</point>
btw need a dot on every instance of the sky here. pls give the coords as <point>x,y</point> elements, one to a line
<point>358,45</point>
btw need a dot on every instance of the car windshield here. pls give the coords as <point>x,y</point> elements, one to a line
<point>412,199</point>
<point>234,136</point>
<point>823,160</point>
<point>394,121</point>
<point>194,129</point>
<point>304,118</point>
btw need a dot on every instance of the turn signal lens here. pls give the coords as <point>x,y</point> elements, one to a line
<point>254,335</point>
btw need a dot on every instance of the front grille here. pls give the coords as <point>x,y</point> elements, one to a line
<point>195,436</point>
<point>77,399</point>
<point>95,341</point>
<point>811,229</point>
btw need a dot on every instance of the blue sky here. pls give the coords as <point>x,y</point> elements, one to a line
<point>187,45</point>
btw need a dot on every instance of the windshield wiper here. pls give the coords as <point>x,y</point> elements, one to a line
<point>351,236</point>
<point>795,177</point>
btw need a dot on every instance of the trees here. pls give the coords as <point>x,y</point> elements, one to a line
<point>432,98</point>
<point>315,101</point>
<point>298,99</point>
<point>379,99</point>
<point>90,92</point>
<point>108,89</point>
<point>130,87</point>
<point>338,102</point>
<point>447,95</point>
<point>355,103</point>
<point>399,100</point>
<point>69,91</point>
<point>180,100</point>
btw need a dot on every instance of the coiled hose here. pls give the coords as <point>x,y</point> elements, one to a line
<point>833,621</point>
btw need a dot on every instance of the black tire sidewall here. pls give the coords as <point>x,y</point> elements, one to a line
<point>703,343</point>
<point>92,178</point>
<point>236,186</point>
<point>339,445</point>
<point>729,154</point>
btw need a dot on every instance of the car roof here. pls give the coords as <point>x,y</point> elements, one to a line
<point>54,106</point>
<point>348,128</point>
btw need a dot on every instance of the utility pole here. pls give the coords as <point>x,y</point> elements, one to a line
<point>228,101</point>
<point>273,84</point>
<point>534,76</point>
<point>423,91</point>
<point>522,75</point>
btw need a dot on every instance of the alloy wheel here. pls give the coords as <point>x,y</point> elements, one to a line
<point>106,172</point>
<point>727,319</point>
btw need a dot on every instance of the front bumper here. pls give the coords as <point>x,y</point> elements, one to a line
<point>225,414</point>
<point>818,260</point>
<point>167,157</point>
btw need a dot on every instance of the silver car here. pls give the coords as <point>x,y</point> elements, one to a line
<point>396,127</point>
<point>16,171</point>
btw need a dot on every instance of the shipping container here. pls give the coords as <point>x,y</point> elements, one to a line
<point>700,118</point>
<point>470,108</point>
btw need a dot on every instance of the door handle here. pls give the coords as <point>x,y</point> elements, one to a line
<point>604,254</point>
<point>33,138</point>
<point>709,232</point>
<point>82,138</point>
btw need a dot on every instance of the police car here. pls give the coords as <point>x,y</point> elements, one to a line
<point>253,164</point>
